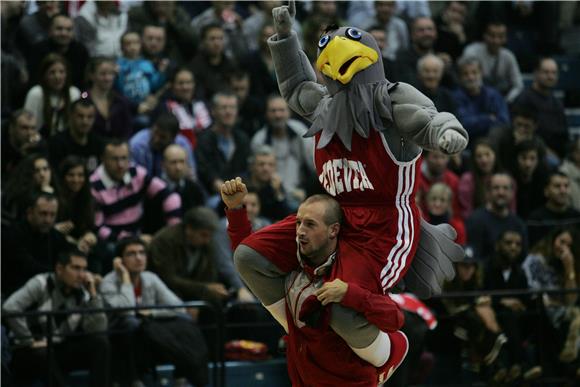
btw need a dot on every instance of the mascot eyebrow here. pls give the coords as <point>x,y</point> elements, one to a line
<point>330,28</point>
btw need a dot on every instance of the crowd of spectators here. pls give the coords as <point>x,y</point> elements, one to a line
<point>121,120</point>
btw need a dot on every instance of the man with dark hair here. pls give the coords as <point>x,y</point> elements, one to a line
<point>557,211</point>
<point>251,108</point>
<point>32,245</point>
<point>60,40</point>
<point>539,97</point>
<point>131,284</point>
<point>69,287</point>
<point>147,145</point>
<point>154,44</point>
<point>79,139</point>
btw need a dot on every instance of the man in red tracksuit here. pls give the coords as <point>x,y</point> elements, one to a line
<point>317,356</point>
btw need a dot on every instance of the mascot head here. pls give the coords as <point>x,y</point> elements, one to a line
<point>349,55</point>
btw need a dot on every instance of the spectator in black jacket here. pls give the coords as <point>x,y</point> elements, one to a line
<point>430,70</point>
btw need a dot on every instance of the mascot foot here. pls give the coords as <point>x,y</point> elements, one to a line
<point>399,349</point>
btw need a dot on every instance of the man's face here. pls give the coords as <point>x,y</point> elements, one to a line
<point>160,139</point>
<point>116,161</point>
<point>431,73</point>
<point>527,162</point>
<point>225,111</point>
<point>241,87</point>
<point>264,167</point>
<point>495,37</point>
<point>313,235</point>
<point>558,191</point>
<point>82,120</point>
<point>381,38</point>
<point>509,246</point>
<point>471,78</point>
<point>524,128</point>
<point>24,130</point>
<point>424,33</point>
<point>153,40</point>
<point>72,274</point>
<point>455,12</point>
<point>385,10</point>
<point>135,258</point>
<point>214,41</point>
<point>252,204</point>
<point>267,31</point>
<point>198,237</point>
<point>175,163</point>
<point>501,191</point>
<point>547,75</point>
<point>183,86</point>
<point>437,163</point>
<point>277,113</point>
<point>61,31</point>
<point>43,215</point>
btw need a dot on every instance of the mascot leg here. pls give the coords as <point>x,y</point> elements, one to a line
<point>264,279</point>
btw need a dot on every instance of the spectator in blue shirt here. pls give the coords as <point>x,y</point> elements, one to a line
<point>479,107</point>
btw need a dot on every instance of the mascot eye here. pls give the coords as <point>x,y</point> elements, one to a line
<point>323,41</point>
<point>353,34</point>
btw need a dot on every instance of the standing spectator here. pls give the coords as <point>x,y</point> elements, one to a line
<point>293,153</point>
<point>70,287</point>
<point>571,168</point>
<point>451,29</point>
<point>181,37</point>
<point>530,174</point>
<point>130,284</point>
<point>120,189</point>
<point>211,65</point>
<point>99,27</point>
<point>434,170</point>
<point>251,115</point>
<point>557,211</point>
<point>396,29</point>
<point>33,28</point>
<point>539,97</point>
<point>479,107</point>
<point>21,138</point>
<point>438,209</point>
<point>486,224</point>
<point>49,101</point>
<point>147,145</point>
<point>430,70</point>
<point>79,139</point>
<point>113,118</point>
<point>32,245</point>
<point>191,113</point>
<point>499,65</point>
<point>223,151</point>
<point>60,41</point>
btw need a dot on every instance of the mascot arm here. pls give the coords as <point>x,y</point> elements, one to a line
<point>296,77</point>
<point>418,120</point>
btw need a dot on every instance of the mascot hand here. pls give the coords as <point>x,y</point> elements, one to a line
<point>283,18</point>
<point>452,142</point>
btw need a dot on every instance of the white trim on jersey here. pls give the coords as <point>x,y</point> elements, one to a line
<point>393,158</point>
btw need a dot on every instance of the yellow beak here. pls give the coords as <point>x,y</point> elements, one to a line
<point>342,58</point>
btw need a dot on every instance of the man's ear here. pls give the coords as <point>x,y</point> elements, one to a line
<point>334,229</point>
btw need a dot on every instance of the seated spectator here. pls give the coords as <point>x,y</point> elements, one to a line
<point>113,118</point>
<point>137,78</point>
<point>99,27</point>
<point>147,145</point>
<point>485,224</point>
<point>21,139</point>
<point>253,25</point>
<point>452,29</point>
<point>499,65</point>
<point>251,116</point>
<point>438,209</point>
<point>539,97</point>
<point>32,175</point>
<point>154,41</point>
<point>49,101</point>
<point>530,174</point>
<point>389,65</point>
<point>553,264</point>
<point>211,66</point>
<point>322,14</point>
<point>571,168</point>
<point>61,41</point>
<point>130,284</point>
<point>33,28</point>
<point>223,150</point>
<point>120,189</point>
<point>191,113</point>
<point>430,70</point>
<point>264,179</point>
<point>184,257</point>
<point>434,170</point>
<point>293,153</point>
<point>395,28</point>
<point>79,139</point>
<point>479,107</point>
<point>557,211</point>
<point>69,287</point>
<point>76,212</point>
<point>182,40</point>
<point>474,184</point>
